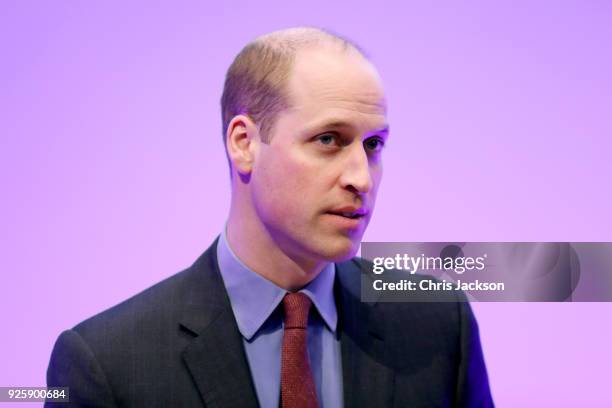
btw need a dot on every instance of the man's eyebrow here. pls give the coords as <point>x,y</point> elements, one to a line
<point>383,131</point>
<point>340,124</point>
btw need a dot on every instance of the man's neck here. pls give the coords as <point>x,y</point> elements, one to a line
<point>257,250</point>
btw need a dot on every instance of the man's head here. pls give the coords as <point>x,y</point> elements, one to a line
<point>256,82</point>
<point>304,123</point>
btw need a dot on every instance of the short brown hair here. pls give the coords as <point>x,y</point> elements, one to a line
<point>256,81</point>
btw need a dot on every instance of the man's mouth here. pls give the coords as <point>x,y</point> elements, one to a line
<point>348,215</point>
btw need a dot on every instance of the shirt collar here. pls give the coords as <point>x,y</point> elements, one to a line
<point>254,298</point>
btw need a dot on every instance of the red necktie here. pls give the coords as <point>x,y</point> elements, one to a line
<point>297,385</point>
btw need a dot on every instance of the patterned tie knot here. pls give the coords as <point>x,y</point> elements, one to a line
<point>296,306</point>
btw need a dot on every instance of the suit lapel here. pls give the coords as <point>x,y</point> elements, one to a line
<point>367,380</point>
<point>215,358</point>
<point>219,367</point>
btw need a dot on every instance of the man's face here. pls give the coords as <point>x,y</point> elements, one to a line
<point>314,185</point>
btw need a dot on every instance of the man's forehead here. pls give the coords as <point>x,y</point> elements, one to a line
<point>331,75</point>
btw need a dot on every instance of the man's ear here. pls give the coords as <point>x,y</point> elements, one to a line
<point>242,138</point>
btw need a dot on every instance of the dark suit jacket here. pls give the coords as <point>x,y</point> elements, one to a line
<point>177,345</point>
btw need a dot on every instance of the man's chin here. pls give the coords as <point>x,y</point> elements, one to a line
<point>339,250</point>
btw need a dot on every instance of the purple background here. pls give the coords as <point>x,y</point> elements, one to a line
<point>113,173</point>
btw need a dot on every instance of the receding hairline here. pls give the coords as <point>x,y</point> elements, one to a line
<point>258,75</point>
<point>299,38</point>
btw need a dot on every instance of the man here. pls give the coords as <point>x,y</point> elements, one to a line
<point>270,314</point>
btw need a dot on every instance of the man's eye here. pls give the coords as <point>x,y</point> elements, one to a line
<point>327,139</point>
<point>374,144</point>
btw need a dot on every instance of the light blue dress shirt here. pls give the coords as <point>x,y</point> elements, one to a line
<point>255,302</point>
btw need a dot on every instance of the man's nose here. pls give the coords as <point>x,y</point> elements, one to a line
<point>356,172</point>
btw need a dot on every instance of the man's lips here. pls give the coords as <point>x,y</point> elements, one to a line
<point>346,220</point>
<point>351,212</point>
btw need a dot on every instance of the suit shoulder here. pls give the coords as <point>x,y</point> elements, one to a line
<point>155,308</point>
<point>150,301</point>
